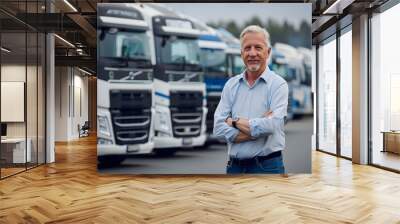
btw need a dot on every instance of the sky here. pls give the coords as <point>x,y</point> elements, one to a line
<point>294,13</point>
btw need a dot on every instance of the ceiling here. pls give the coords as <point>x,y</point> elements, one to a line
<point>76,21</point>
<point>332,15</point>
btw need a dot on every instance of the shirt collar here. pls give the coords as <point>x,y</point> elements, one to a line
<point>265,75</point>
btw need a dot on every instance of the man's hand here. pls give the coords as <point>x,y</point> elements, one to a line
<point>242,137</point>
<point>243,125</point>
<point>268,114</point>
<point>229,121</point>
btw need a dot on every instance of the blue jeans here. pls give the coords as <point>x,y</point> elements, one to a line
<point>268,166</point>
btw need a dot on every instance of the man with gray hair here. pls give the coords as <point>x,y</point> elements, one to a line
<point>252,109</point>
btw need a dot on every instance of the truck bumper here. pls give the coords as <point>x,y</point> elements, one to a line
<point>171,142</point>
<point>214,139</point>
<point>103,150</point>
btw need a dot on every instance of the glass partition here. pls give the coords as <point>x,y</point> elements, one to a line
<point>327,96</point>
<point>22,88</point>
<point>346,93</point>
<point>13,95</point>
<point>385,89</point>
<point>41,109</point>
<point>31,97</point>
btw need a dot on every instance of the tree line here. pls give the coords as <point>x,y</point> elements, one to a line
<point>284,33</point>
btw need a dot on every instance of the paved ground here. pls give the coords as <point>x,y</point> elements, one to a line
<point>212,160</point>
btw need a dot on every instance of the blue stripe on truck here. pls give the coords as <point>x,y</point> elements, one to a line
<point>162,95</point>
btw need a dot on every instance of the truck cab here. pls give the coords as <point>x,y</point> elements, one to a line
<point>180,96</point>
<point>213,60</point>
<point>234,61</point>
<point>299,91</point>
<point>125,88</point>
<point>221,60</point>
<point>279,64</point>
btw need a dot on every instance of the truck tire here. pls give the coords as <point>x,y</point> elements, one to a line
<point>107,161</point>
<point>165,152</point>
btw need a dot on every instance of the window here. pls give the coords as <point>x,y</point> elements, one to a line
<point>385,89</point>
<point>22,75</point>
<point>346,94</point>
<point>327,96</point>
<point>121,44</point>
<point>179,50</point>
<point>213,62</point>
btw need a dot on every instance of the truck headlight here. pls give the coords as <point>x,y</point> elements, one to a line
<point>103,141</point>
<point>164,121</point>
<point>298,94</point>
<point>104,128</point>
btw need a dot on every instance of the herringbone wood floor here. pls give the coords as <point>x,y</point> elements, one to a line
<point>71,191</point>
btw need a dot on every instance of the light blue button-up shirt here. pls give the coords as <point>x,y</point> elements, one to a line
<point>239,100</point>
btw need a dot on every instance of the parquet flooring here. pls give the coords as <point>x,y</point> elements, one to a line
<point>10,171</point>
<point>71,191</point>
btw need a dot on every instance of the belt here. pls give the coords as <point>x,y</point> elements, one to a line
<point>255,159</point>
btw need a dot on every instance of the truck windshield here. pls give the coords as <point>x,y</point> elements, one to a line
<point>124,44</point>
<point>177,50</point>
<point>284,71</point>
<point>124,56</point>
<point>307,79</point>
<point>237,65</point>
<point>180,58</point>
<point>214,62</point>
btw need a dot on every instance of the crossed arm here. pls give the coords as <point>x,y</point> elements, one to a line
<point>250,129</point>
<point>243,125</point>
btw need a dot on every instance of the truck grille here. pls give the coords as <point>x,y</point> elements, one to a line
<point>212,103</point>
<point>186,113</point>
<point>131,116</point>
<point>290,104</point>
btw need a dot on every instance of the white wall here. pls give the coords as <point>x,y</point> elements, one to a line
<point>14,72</point>
<point>79,117</point>
<point>70,84</point>
<point>61,103</point>
<point>33,125</point>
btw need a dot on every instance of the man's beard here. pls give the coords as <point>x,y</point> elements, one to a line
<point>253,68</point>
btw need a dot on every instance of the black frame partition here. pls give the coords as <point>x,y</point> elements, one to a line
<point>338,29</point>
<point>334,36</point>
<point>16,58</point>
<point>0,103</point>
<point>340,33</point>
<point>338,100</point>
<point>381,9</point>
<point>328,39</point>
<point>33,43</point>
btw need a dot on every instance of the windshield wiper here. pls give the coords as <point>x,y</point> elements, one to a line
<point>121,59</point>
<point>132,75</point>
<point>139,58</point>
<point>124,61</point>
<point>187,77</point>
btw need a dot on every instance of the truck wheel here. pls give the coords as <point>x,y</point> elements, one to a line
<point>110,160</point>
<point>165,152</point>
<point>297,116</point>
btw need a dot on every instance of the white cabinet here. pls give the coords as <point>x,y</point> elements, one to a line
<point>18,149</point>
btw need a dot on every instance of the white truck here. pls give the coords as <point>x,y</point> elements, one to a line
<point>301,103</point>
<point>214,63</point>
<point>180,101</point>
<point>234,62</point>
<point>125,87</point>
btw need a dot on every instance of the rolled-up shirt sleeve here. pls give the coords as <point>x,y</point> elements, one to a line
<point>223,111</point>
<point>269,125</point>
